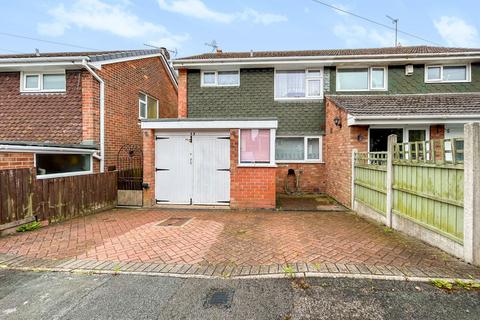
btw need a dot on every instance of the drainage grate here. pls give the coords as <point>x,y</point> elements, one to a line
<point>174,222</point>
<point>219,298</point>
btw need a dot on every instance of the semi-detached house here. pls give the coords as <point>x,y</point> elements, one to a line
<point>70,113</point>
<point>249,119</point>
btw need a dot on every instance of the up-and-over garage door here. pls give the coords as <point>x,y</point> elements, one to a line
<point>192,168</point>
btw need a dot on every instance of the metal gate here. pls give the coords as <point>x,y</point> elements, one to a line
<point>130,175</point>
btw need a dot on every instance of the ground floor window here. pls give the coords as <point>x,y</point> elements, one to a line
<point>298,149</point>
<point>255,146</point>
<point>56,164</point>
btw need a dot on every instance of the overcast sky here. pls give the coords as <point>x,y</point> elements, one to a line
<point>236,25</point>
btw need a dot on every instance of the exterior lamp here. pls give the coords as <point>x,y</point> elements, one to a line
<point>337,121</point>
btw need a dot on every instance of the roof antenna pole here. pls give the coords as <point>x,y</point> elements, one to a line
<point>213,45</point>
<point>395,22</point>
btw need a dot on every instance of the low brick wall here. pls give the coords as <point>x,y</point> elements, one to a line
<point>312,176</point>
<point>250,187</point>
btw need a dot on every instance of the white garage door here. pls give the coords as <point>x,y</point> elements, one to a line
<point>193,168</point>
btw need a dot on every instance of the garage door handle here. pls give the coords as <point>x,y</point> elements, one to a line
<point>157,169</point>
<point>223,169</point>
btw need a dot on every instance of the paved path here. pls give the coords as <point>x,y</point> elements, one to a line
<point>228,244</point>
<point>33,295</point>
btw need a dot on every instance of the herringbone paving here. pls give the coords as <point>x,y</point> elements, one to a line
<point>218,242</point>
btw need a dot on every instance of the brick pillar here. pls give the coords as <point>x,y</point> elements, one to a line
<point>182,93</point>
<point>149,167</point>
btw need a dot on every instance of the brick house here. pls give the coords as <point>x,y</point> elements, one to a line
<point>253,124</point>
<point>70,113</point>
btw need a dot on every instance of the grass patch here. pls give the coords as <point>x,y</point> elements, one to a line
<point>456,284</point>
<point>29,226</point>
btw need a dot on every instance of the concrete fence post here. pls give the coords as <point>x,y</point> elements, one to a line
<point>354,151</point>
<point>471,218</point>
<point>392,139</point>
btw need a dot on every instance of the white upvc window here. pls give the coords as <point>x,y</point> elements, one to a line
<point>147,107</point>
<point>448,73</point>
<point>230,78</point>
<point>362,79</point>
<point>52,81</point>
<point>298,149</point>
<point>298,84</point>
<point>256,147</point>
<point>54,165</point>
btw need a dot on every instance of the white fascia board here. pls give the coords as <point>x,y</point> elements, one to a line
<point>314,60</point>
<point>213,124</point>
<point>39,149</point>
<point>419,119</point>
<point>29,65</point>
<point>43,59</point>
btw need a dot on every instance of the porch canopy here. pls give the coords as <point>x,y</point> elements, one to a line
<point>438,108</point>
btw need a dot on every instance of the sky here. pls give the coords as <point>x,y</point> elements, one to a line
<point>185,26</point>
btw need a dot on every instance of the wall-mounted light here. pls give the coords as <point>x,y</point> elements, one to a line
<point>337,121</point>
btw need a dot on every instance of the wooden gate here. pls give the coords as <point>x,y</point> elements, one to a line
<point>130,175</point>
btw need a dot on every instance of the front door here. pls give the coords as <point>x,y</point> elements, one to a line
<point>193,168</point>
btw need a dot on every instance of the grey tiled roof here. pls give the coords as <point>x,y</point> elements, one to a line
<point>93,55</point>
<point>412,50</point>
<point>409,104</point>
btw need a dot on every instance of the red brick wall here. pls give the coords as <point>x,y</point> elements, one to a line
<point>16,160</point>
<point>312,180</point>
<point>149,167</point>
<point>123,82</point>
<point>250,187</point>
<point>437,132</point>
<point>35,116</point>
<point>90,108</point>
<point>339,143</point>
<point>182,93</point>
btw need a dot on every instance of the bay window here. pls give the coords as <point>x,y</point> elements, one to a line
<point>43,82</point>
<point>362,79</point>
<point>447,73</point>
<point>298,149</point>
<point>295,84</point>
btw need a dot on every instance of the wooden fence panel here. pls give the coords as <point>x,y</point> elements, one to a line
<point>370,180</point>
<point>431,195</point>
<point>55,199</point>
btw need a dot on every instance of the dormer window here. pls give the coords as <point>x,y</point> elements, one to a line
<point>43,82</point>
<point>447,73</point>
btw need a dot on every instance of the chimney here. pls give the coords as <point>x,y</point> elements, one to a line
<point>218,50</point>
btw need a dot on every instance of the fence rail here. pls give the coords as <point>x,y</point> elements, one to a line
<point>23,196</point>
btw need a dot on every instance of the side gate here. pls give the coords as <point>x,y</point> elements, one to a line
<point>130,175</point>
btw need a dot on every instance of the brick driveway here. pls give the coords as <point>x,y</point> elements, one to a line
<point>239,238</point>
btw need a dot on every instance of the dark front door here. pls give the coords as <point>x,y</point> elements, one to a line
<point>379,138</point>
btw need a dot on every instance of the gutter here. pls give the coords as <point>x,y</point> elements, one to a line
<point>417,119</point>
<point>101,157</point>
<point>38,149</point>
<point>43,59</point>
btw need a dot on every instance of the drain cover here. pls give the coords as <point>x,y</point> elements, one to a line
<point>219,298</point>
<point>174,222</point>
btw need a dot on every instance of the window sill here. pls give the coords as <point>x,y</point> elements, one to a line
<point>256,165</point>
<point>62,175</point>
<point>447,81</point>
<point>299,161</point>
<point>298,99</point>
<point>220,86</point>
<point>41,92</point>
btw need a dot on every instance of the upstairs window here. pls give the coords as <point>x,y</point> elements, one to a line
<point>447,73</point>
<point>298,84</point>
<point>362,79</point>
<point>43,82</point>
<point>147,107</point>
<point>220,78</point>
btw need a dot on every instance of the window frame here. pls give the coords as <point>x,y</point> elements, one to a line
<point>305,150</point>
<point>306,97</point>
<point>468,72</point>
<point>146,105</point>
<point>257,164</point>
<point>215,84</point>
<point>39,88</point>
<point>405,129</point>
<point>60,175</point>
<point>369,78</point>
